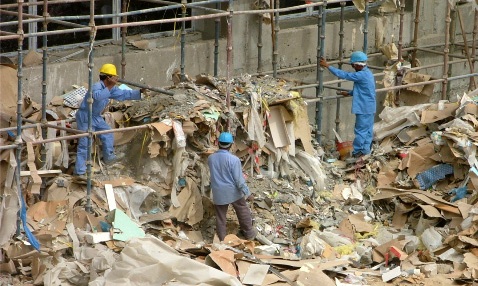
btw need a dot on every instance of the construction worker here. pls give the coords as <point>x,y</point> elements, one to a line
<point>363,102</point>
<point>102,91</point>
<point>229,187</point>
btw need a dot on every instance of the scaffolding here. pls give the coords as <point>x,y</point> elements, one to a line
<point>215,14</point>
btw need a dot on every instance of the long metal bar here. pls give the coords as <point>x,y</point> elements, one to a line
<point>124,31</point>
<point>440,53</point>
<point>475,33</point>
<point>136,12</point>
<point>13,5</point>
<point>415,33</point>
<point>467,52</point>
<point>446,51</point>
<point>89,97</point>
<point>275,52</point>
<point>157,89</point>
<point>319,91</point>
<point>217,32</point>
<point>229,54</point>
<point>341,58</point>
<point>183,40</point>
<point>46,125</point>
<point>400,32</point>
<point>77,136</point>
<point>18,138</point>
<point>313,100</point>
<point>187,5</point>
<point>452,44</point>
<point>160,21</point>
<point>260,45</point>
<point>304,86</point>
<point>40,18</point>
<point>44,81</point>
<point>365,28</point>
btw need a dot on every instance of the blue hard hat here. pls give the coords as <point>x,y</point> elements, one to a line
<point>226,138</point>
<point>358,56</point>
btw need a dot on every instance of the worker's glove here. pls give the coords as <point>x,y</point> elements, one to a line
<point>459,193</point>
<point>144,92</point>
<point>323,63</point>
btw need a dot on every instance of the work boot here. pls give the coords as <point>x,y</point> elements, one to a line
<point>113,160</point>
<point>353,158</point>
<point>80,177</point>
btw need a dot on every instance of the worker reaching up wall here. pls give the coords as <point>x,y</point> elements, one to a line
<point>363,102</point>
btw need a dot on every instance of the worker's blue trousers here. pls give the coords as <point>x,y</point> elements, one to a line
<point>363,133</point>
<point>107,140</point>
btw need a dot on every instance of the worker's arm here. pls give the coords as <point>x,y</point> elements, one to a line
<point>120,94</point>
<point>352,76</point>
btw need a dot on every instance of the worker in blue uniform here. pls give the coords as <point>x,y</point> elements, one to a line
<point>102,91</point>
<point>363,102</point>
<point>229,188</point>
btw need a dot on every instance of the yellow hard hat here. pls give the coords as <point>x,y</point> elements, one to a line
<point>108,69</point>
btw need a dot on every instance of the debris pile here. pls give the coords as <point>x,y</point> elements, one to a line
<point>405,213</point>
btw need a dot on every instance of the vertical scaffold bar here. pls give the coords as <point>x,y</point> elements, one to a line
<point>259,45</point>
<point>275,52</point>
<point>43,89</point>
<point>415,33</point>
<point>446,51</point>
<point>341,58</point>
<point>124,19</point>
<point>217,31</point>
<point>183,40</point>
<point>229,54</point>
<point>365,29</point>
<point>89,96</point>
<point>319,90</point>
<point>473,45</point>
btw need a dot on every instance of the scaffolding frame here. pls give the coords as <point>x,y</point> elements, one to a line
<point>215,14</point>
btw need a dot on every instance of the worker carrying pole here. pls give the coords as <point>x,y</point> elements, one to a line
<point>101,93</point>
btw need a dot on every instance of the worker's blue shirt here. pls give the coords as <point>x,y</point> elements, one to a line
<point>227,182</point>
<point>363,93</point>
<point>101,97</point>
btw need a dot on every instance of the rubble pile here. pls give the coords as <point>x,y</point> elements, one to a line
<point>404,214</point>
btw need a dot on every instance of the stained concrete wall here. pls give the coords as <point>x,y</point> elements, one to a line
<point>297,46</point>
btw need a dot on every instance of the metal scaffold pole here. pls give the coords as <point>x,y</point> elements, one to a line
<point>217,32</point>
<point>43,91</point>
<point>229,53</point>
<point>183,40</point>
<point>275,49</point>
<point>89,97</point>
<point>446,52</point>
<point>415,33</point>
<point>341,58</point>
<point>319,91</point>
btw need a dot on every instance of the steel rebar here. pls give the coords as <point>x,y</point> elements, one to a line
<point>44,82</point>
<point>124,31</point>
<point>183,40</point>
<point>229,55</point>
<point>475,33</point>
<point>260,45</point>
<point>400,32</point>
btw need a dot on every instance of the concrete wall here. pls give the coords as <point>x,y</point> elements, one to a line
<point>297,46</point>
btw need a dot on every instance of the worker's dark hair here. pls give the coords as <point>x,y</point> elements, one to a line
<point>103,76</point>
<point>225,146</point>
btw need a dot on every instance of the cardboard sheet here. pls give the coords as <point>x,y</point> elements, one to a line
<point>277,126</point>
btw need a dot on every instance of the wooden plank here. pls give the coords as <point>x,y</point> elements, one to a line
<point>110,197</point>
<point>44,173</point>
